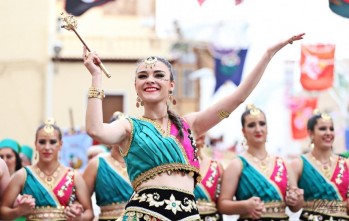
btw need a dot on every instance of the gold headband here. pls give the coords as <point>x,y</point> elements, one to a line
<point>48,128</point>
<point>325,116</point>
<point>150,61</point>
<point>253,110</point>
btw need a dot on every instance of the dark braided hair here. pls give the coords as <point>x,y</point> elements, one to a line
<point>175,119</point>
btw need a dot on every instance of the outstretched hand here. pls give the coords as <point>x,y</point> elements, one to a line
<point>283,43</point>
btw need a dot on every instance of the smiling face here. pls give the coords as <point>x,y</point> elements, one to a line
<point>323,134</point>
<point>154,82</point>
<point>255,129</point>
<point>48,145</point>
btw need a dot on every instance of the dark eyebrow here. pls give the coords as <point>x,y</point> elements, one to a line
<point>146,72</point>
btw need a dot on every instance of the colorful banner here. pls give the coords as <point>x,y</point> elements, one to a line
<point>201,2</point>
<point>74,150</point>
<point>340,7</point>
<point>229,65</point>
<point>317,66</point>
<point>301,110</point>
<point>79,7</point>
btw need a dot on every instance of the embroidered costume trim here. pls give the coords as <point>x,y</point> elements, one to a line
<point>169,168</point>
<point>47,213</point>
<point>162,203</point>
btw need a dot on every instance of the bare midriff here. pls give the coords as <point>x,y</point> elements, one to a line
<point>174,180</point>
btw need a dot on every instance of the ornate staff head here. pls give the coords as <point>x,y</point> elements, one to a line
<point>70,22</point>
<point>71,25</point>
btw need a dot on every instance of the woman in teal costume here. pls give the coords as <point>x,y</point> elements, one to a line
<point>208,190</point>
<point>106,175</point>
<point>49,190</point>
<point>323,175</point>
<point>159,147</point>
<point>263,185</point>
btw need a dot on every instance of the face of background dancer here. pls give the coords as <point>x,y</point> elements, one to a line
<point>153,82</point>
<point>323,134</point>
<point>48,145</point>
<point>25,160</point>
<point>8,155</point>
<point>255,129</point>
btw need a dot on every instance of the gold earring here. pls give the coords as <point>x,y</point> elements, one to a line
<point>244,144</point>
<point>172,98</point>
<point>311,145</point>
<point>139,102</point>
<point>36,156</point>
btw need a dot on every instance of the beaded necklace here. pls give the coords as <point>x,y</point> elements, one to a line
<point>50,178</point>
<point>120,167</point>
<point>263,164</point>
<point>325,167</point>
<point>158,125</point>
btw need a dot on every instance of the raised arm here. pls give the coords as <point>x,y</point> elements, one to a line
<point>204,120</point>
<point>114,133</point>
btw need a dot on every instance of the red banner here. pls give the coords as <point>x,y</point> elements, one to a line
<point>317,65</point>
<point>301,111</point>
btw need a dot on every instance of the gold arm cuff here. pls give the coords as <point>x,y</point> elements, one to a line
<point>222,114</point>
<point>94,92</point>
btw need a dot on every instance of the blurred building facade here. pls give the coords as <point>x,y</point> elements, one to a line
<point>42,72</point>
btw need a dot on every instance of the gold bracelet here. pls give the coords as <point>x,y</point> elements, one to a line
<point>222,114</point>
<point>94,92</point>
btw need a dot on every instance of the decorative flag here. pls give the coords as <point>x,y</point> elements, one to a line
<point>238,2</point>
<point>201,2</point>
<point>229,65</point>
<point>301,110</point>
<point>317,66</point>
<point>79,7</point>
<point>340,7</point>
<point>347,138</point>
<point>74,150</point>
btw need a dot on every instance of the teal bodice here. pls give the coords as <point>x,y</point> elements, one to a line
<point>200,194</point>
<point>315,186</point>
<point>111,186</point>
<point>253,183</point>
<point>32,186</point>
<point>153,151</point>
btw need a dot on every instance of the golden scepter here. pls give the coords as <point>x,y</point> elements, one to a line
<point>71,25</point>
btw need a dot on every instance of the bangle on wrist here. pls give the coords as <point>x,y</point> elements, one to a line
<point>94,92</point>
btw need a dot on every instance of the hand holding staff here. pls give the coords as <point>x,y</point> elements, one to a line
<point>71,25</point>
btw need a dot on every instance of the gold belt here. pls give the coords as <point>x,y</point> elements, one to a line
<point>47,213</point>
<point>327,207</point>
<point>112,211</point>
<point>206,207</point>
<point>274,209</point>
